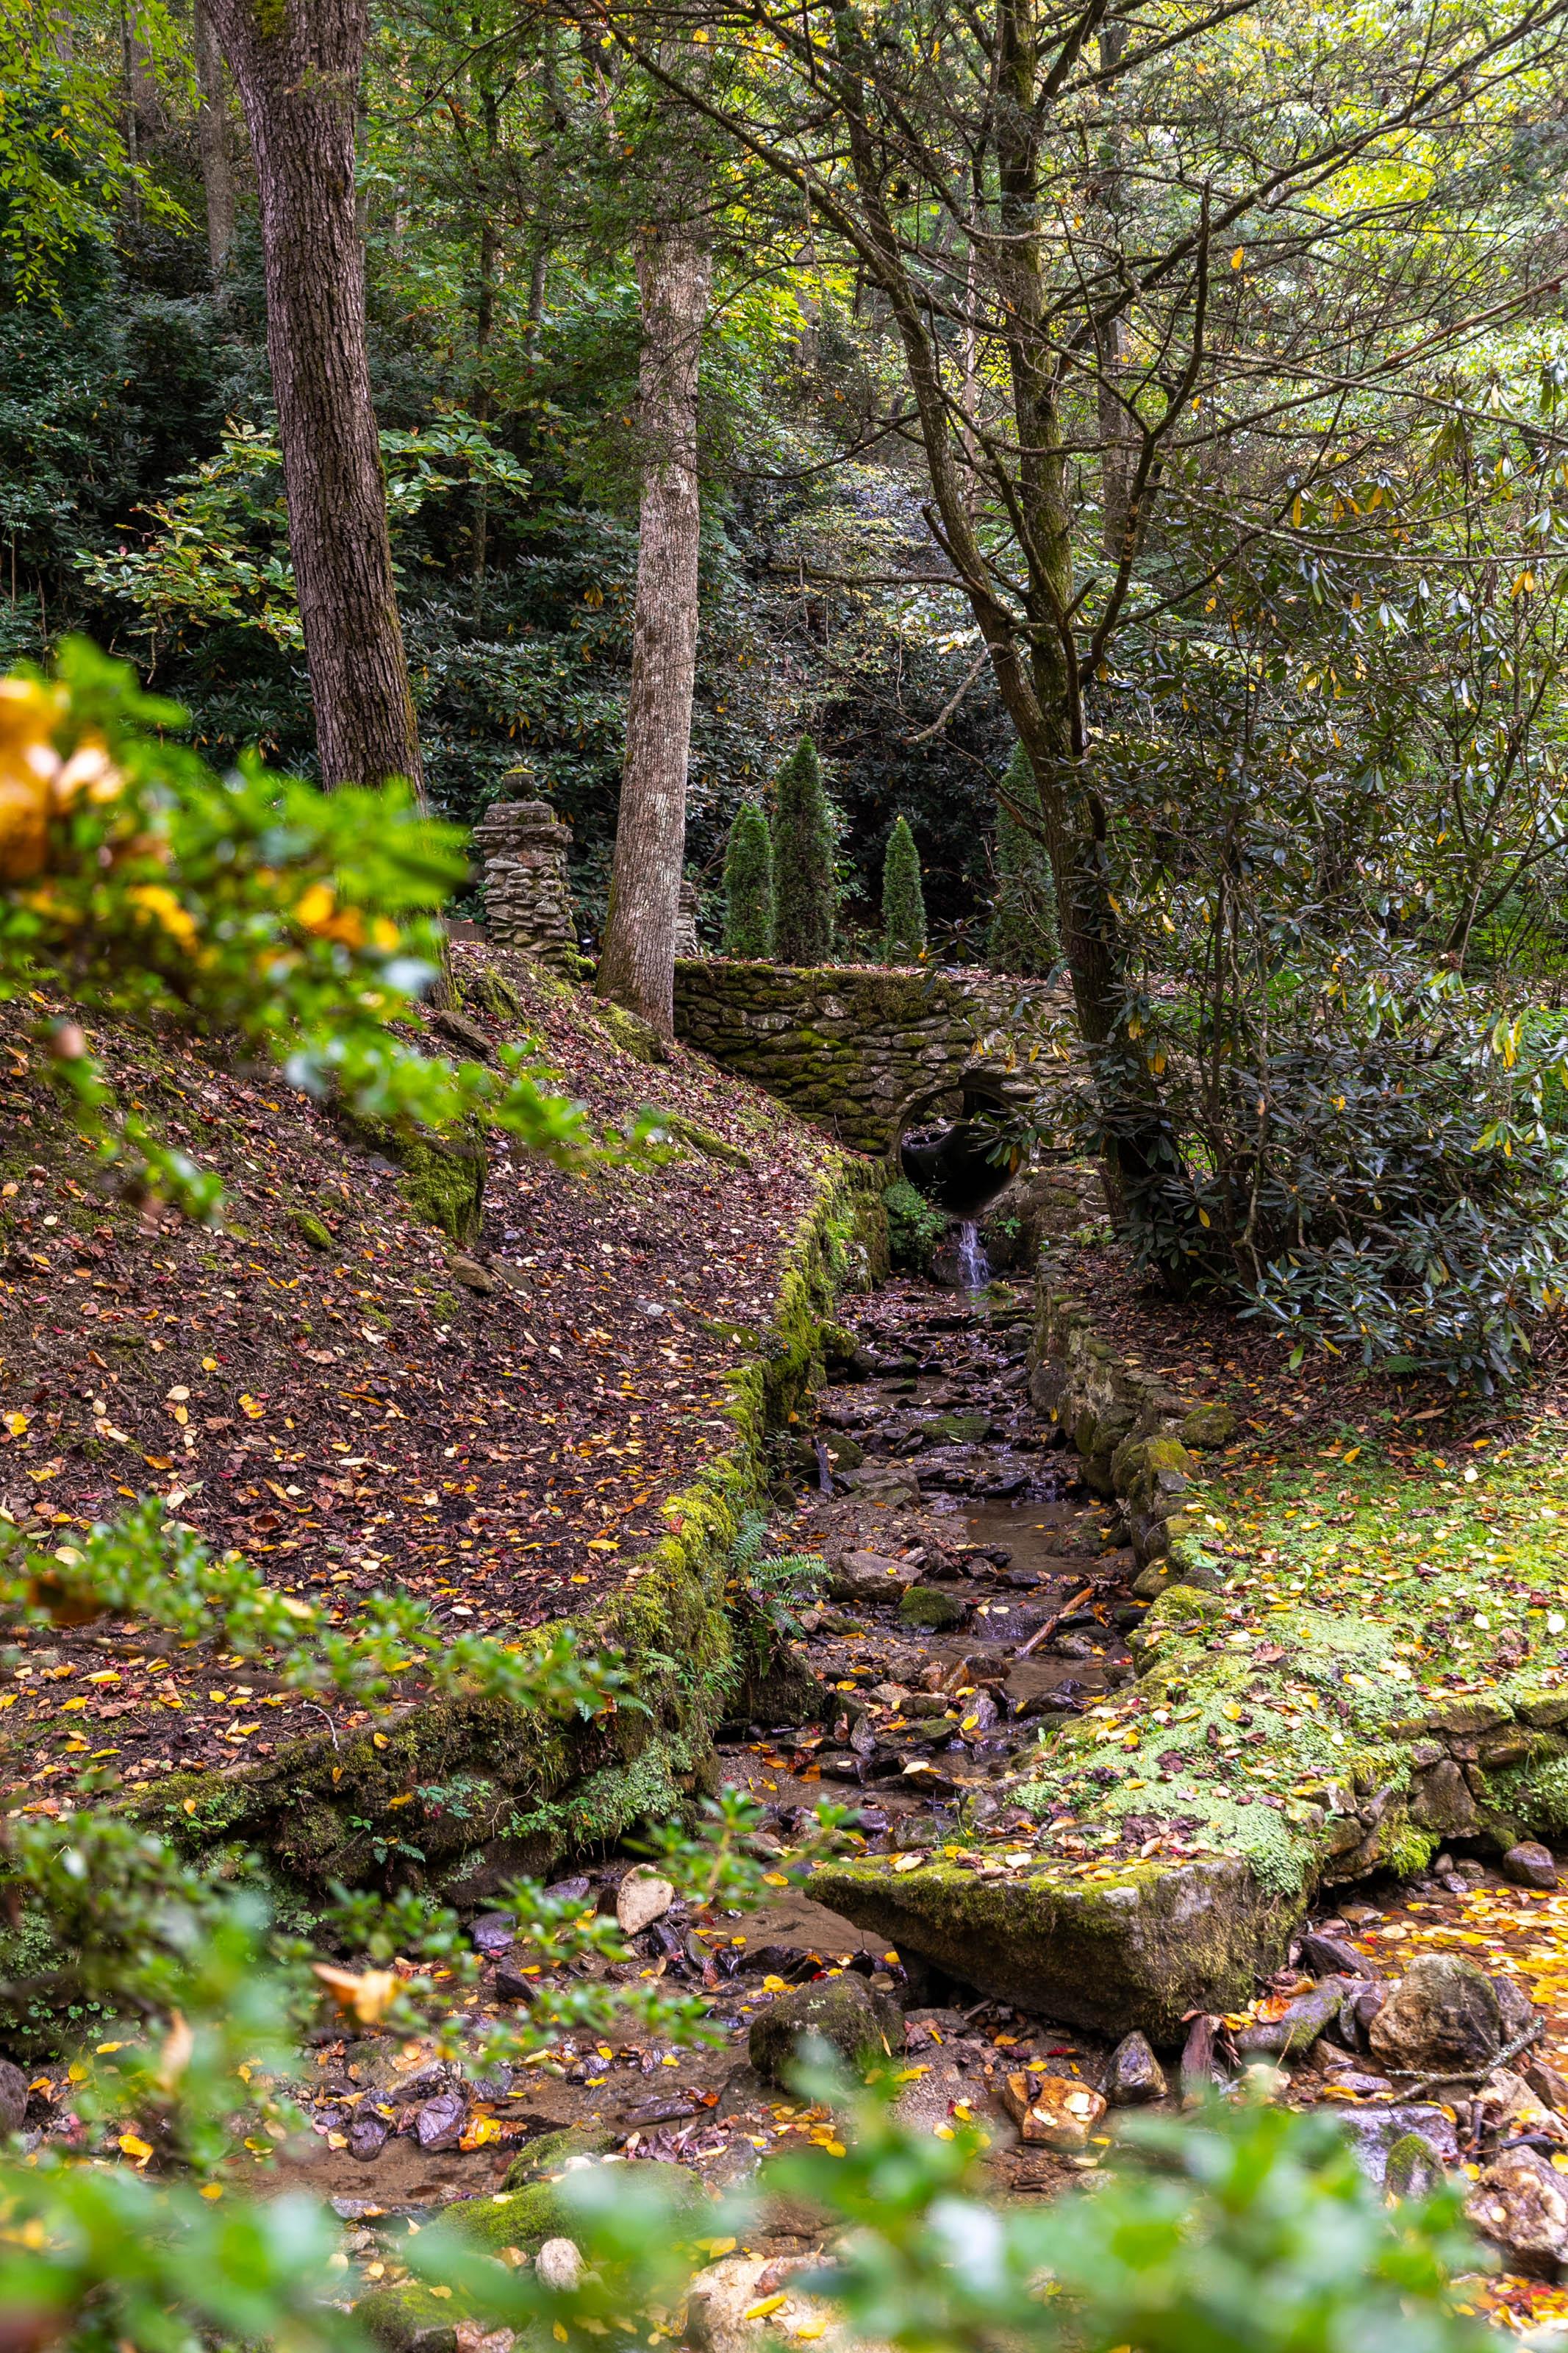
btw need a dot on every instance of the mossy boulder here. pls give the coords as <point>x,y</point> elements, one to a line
<point>553,2152</point>
<point>526,2218</point>
<point>632,1034</point>
<point>1208,1425</point>
<point>411,2318</point>
<point>929,1607</point>
<point>863,2026</point>
<point>442,1176</point>
<point>1140,1949</point>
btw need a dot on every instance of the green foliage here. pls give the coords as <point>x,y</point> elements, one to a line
<point>914,1227</point>
<point>804,893</point>
<point>1024,938</point>
<point>903,901</point>
<point>749,885</point>
<point>1248,2229</point>
<point>220,551</point>
<point>65,164</point>
<point>251,903</point>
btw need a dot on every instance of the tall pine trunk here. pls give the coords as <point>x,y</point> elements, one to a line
<point>298,70</point>
<point>638,966</point>
<point>212,136</point>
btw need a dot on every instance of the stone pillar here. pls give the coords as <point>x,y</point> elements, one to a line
<point>528,899</point>
<point>686,942</point>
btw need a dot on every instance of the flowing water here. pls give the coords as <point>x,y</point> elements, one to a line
<point>974,1266</point>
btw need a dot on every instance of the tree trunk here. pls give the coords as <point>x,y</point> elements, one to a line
<point>217,162</point>
<point>638,966</point>
<point>297,70</point>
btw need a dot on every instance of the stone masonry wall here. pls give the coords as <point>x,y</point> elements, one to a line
<point>859,1050</point>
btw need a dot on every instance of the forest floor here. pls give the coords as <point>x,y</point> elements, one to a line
<point>314,1382</point>
<point>961,1535</point>
<point>316,1385</point>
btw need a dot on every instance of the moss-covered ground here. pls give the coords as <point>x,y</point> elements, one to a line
<point>1379,1670</point>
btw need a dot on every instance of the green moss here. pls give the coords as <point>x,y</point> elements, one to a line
<point>486,990</point>
<point>705,1140</point>
<point>443,1179</point>
<point>633,1036</point>
<point>526,2218</point>
<point>551,2152</point>
<point>310,1229</point>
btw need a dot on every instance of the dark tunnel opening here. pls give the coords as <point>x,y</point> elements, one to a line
<point>947,1157</point>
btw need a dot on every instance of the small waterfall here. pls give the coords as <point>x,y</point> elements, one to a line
<point>974,1266</point>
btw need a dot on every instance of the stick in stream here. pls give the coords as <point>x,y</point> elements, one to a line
<point>1040,1632</point>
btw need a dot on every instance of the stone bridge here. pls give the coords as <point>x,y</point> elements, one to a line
<point>866,1051</point>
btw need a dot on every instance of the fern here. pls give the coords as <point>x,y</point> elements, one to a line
<point>785,1569</point>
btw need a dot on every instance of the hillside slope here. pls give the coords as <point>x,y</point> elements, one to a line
<point>312,1384</point>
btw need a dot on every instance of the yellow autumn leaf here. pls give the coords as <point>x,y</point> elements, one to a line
<point>16,1422</point>
<point>252,1407</point>
<point>1238,257</point>
<point>133,2147</point>
<point>761,2311</point>
<point>368,1996</point>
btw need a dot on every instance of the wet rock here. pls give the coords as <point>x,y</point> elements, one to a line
<point>494,1932</point>
<point>1443,2013</point>
<point>368,2136</point>
<point>869,1577</point>
<point>929,1607</point>
<point>575,1890</point>
<point>511,1984</point>
<point>1411,2168</point>
<point>1516,2011</point>
<point>439,2123</point>
<point>1324,1956</point>
<point>13,2096</point>
<point>1053,2112</point>
<point>559,2265</point>
<point>1520,2203</point>
<point>1374,2133</point>
<point>642,1898</point>
<point>1296,2027</point>
<point>1505,2107</point>
<point>1530,1864</point>
<point>862,2025</point>
<point>1442,1800</point>
<point>1133,2075</point>
<point>719,2299</point>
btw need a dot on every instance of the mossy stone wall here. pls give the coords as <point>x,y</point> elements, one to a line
<point>858,1049</point>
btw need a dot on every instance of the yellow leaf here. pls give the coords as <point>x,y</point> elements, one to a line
<point>139,2149</point>
<point>1238,257</point>
<point>378,1739</point>
<point>212,2189</point>
<point>761,2311</point>
<point>16,1423</point>
<point>775,1879</point>
<point>369,1995</point>
<point>252,1407</point>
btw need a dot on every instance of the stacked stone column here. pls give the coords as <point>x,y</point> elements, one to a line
<point>528,898</point>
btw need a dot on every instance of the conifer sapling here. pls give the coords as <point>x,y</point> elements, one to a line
<point>903,901</point>
<point>804,892</point>
<point>749,886</point>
